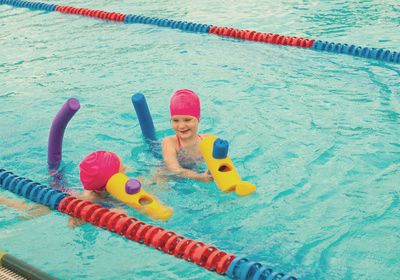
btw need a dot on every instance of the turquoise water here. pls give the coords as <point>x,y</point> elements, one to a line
<point>316,132</point>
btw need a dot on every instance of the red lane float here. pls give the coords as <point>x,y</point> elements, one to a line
<point>167,241</point>
<point>91,13</point>
<point>271,38</point>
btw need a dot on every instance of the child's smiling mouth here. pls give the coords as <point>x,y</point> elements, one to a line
<point>184,131</point>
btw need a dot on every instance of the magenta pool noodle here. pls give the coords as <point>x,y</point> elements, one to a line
<point>60,122</point>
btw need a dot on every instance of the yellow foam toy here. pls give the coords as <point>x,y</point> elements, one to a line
<point>141,200</point>
<point>223,171</point>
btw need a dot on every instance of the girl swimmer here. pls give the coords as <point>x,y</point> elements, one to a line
<point>181,152</point>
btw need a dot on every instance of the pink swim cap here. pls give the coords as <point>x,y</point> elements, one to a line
<point>185,102</point>
<point>96,168</point>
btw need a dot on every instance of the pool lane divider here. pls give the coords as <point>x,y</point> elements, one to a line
<point>21,268</point>
<point>133,229</point>
<point>249,35</point>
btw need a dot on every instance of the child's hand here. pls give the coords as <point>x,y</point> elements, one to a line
<point>205,177</point>
<point>39,210</point>
<point>74,222</point>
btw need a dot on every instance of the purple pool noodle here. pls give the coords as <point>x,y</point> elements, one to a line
<point>60,122</point>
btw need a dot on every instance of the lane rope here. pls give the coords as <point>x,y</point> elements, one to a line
<point>167,241</point>
<point>249,35</point>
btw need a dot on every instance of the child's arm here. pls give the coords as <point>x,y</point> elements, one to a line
<point>33,210</point>
<point>92,197</point>
<point>15,204</point>
<point>172,164</point>
<point>37,211</point>
<point>86,195</point>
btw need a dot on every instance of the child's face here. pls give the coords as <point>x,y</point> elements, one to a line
<point>185,126</point>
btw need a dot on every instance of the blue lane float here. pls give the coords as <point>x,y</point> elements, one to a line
<point>182,25</point>
<point>365,52</point>
<point>30,5</point>
<point>31,190</point>
<point>244,269</point>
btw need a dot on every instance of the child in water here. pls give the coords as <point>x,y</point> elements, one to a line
<point>95,170</point>
<point>181,152</point>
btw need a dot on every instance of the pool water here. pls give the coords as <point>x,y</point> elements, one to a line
<point>318,133</point>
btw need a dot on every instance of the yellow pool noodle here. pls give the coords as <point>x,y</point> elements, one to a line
<point>223,171</point>
<point>141,200</point>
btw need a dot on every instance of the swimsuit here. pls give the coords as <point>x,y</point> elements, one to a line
<point>185,160</point>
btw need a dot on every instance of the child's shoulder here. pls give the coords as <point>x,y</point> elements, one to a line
<point>169,140</point>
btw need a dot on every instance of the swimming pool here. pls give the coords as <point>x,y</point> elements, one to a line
<point>317,132</point>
